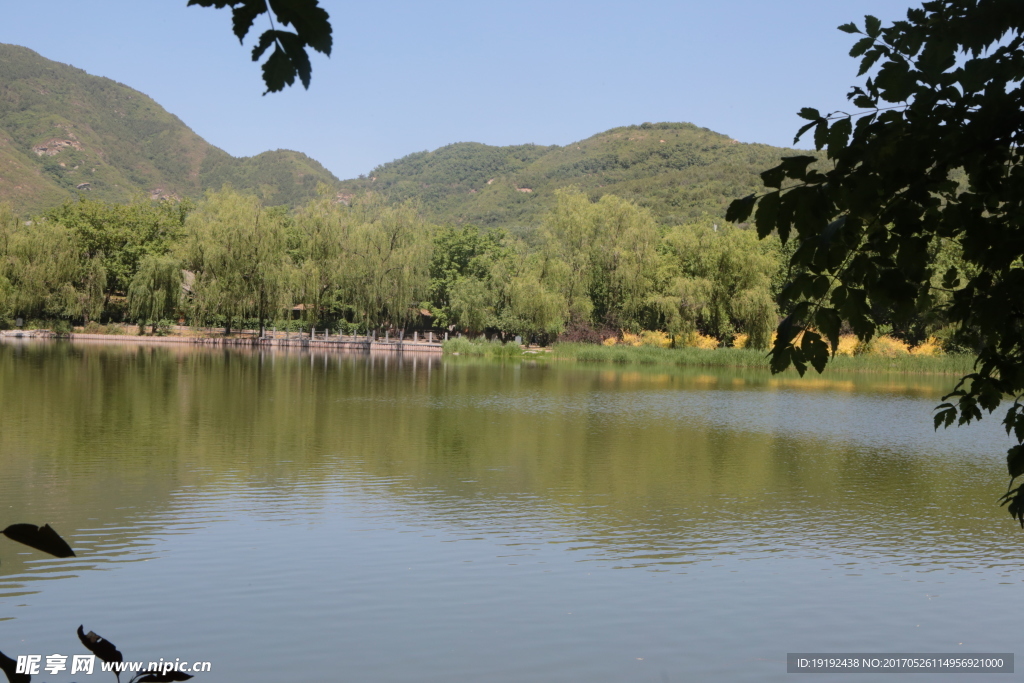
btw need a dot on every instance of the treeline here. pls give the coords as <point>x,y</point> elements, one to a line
<point>591,271</point>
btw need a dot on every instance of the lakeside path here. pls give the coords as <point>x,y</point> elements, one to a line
<point>340,343</point>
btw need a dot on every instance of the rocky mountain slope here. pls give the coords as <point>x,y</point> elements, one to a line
<point>63,131</point>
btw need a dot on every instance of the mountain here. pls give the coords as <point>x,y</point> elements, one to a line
<point>63,131</point>
<point>678,170</point>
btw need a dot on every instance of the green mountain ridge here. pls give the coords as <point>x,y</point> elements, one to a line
<point>677,170</point>
<point>64,131</point>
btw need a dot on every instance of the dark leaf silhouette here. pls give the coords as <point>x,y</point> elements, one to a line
<point>100,646</point>
<point>41,538</point>
<point>9,667</point>
<point>161,677</point>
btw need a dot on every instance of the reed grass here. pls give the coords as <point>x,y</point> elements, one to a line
<point>494,349</point>
<point>951,364</point>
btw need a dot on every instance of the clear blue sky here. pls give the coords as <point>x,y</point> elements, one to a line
<point>410,76</point>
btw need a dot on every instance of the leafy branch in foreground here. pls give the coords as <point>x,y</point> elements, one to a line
<point>289,59</point>
<point>42,538</point>
<point>935,156</point>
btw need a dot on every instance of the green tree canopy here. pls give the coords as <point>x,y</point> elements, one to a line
<point>718,279</point>
<point>46,271</point>
<point>237,251</point>
<point>933,153</point>
<point>121,235</point>
<point>602,256</point>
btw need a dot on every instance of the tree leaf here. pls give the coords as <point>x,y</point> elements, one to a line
<point>10,669</point>
<point>809,114</point>
<point>803,129</point>
<point>278,71</point>
<point>267,38</point>
<point>796,166</point>
<point>1012,499</point>
<point>849,28</point>
<point>296,53</point>
<point>861,46</point>
<point>41,538</point>
<point>767,214</point>
<point>1015,461</point>
<point>872,26</point>
<point>773,177</point>
<point>870,57</point>
<point>739,209</point>
<point>243,16</point>
<point>838,136</point>
<point>814,350</point>
<point>829,322</point>
<point>99,646</point>
<point>311,22</point>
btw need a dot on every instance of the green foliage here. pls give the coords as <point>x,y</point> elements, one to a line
<point>237,252</point>
<point>46,271</point>
<point>368,260</point>
<point>933,156</point>
<point>155,290</point>
<point>678,171</point>
<point>750,358</point>
<point>717,279</point>
<point>601,256</point>
<point>461,285</point>
<point>463,346</point>
<point>121,235</point>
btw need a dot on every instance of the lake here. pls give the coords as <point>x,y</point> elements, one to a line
<point>309,516</point>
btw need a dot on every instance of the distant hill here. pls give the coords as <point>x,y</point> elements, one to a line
<point>678,170</point>
<point>63,131</point>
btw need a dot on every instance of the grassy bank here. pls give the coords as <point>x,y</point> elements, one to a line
<point>749,358</point>
<point>460,346</point>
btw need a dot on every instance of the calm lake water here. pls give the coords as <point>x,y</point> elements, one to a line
<point>317,517</point>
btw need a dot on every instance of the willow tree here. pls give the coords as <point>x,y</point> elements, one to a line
<point>47,273</point>
<point>718,279</point>
<point>237,251</point>
<point>388,269</point>
<point>155,291</point>
<point>526,300</point>
<point>325,229</point>
<point>603,255</point>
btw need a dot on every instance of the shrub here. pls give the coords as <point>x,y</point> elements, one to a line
<point>885,346</point>
<point>932,346</point>
<point>848,344</point>
<point>655,338</point>
<point>697,340</point>
<point>630,339</point>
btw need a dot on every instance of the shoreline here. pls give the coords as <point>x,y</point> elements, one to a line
<point>339,343</point>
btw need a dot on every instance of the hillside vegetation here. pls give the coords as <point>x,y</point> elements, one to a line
<point>63,131</point>
<point>678,171</point>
